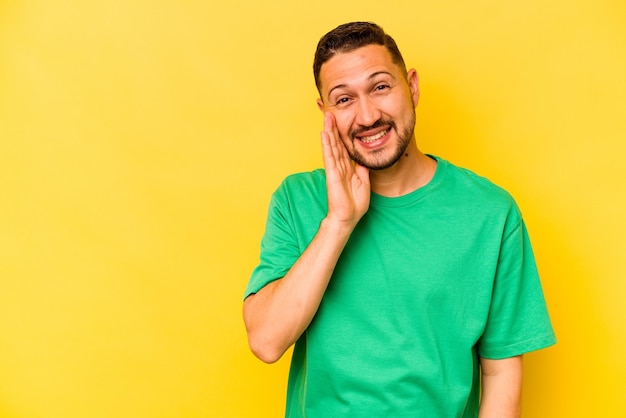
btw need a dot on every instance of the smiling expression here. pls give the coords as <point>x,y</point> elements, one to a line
<point>373,103</point>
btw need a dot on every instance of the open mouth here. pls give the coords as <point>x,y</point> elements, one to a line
<point>373,138</point>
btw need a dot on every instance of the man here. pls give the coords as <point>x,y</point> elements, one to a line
<point>407,284</point>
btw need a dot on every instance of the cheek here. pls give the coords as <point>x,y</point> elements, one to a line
<point>343,121</point>
<point>399,109</point>
<point>393,104</point>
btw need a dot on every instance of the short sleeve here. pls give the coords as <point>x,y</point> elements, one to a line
<point>518,320</point>
<point>279,246</point>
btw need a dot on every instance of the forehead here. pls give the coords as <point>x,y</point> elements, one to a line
<point>348,68</point>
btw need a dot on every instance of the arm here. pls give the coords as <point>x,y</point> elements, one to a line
<point>501,388</point>
<point>278,314</point>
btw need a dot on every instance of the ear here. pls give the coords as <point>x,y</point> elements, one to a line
<point>320,105</point>
<point>414,85</point>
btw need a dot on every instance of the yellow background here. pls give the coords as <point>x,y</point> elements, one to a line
<point>140,142</point>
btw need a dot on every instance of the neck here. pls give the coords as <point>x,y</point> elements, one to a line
<point>412,171</point>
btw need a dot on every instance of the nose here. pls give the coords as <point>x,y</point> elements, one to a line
<point>367,113</point>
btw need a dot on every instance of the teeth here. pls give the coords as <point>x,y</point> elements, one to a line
<point>369,139</point>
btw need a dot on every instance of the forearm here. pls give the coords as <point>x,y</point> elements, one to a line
<point>278,314</point>
<point>501,388</point>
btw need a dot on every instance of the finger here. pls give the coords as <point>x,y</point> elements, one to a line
<point>330,126</point>
<point>339,148</point>
<point>327,152</point>
<point>329,122</point>
<point>363,173</point>
<point>330,132</point>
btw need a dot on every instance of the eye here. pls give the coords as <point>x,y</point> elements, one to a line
<point>381,87</point>
<point>342,101</point>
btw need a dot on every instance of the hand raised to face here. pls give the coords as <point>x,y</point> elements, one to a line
<point>348,184</point>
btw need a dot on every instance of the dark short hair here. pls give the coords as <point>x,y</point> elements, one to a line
<point>350,36</point>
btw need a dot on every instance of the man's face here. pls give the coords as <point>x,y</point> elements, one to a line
<point>373,104</point>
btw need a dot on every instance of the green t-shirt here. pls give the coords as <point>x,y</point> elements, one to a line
<point>428,282</point>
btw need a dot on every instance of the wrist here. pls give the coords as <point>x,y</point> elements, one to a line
<point>337,228</point>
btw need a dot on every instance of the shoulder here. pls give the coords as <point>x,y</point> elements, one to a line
<point>477,195</point>
<point>305,188</point>
<point>477,188</point>
<point>305,181</point>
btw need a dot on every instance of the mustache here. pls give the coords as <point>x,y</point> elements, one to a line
<point>379,123</point>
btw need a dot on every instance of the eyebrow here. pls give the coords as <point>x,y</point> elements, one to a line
<point>371,76</point>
